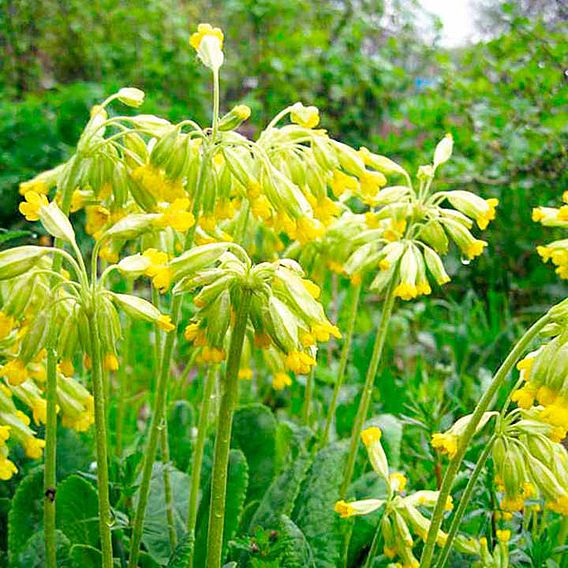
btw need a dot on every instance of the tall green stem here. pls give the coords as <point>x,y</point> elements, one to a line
<point>208,390</point>
<point>464,501</point>
<point>105,519</point>
<point>517,352</point>
<point>164,438</point>
<point>223,436</point>
<point>50,470</point>
<point>369,384</point>
<point>342,363</point>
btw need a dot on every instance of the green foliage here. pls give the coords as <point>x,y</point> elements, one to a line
<point>77,511</point>
<point>254,432</point>
<point>26,515</point>
<point>85,556</point>
<point>181,420</point>
<point>237,483</point>
<point>314,513</point>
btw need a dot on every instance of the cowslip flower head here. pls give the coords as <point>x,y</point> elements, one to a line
<point>208,42</point>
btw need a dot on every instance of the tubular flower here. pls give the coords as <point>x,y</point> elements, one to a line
<point>31,207</point>
<point>556,251</point>
<point>281,380</point>
<point>176,216</point>
<point>402,517</point>
<point>208,42</point>
<point>7,324</point>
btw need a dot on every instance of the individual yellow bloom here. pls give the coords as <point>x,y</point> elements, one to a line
<point>208,223</point>
<point>205,30</point>
<point>33,447</point>
<point>336,267</point>
<point>39,411</point>
<point>35,185</point>
<point>558,433</point>
<point>529,490</point>
<point>449,503</point>
<point>246,374</point>
<point>344,509</point>
<point>445,443</point>
<point>212,354</point>
<point>390,553</point>
<point>66,367</point>
<point>512,503</point>
<point>555,414</point>
<point>371,435</point>
<point>77,201</point>
<point>406,291</point>
<point>546,396</point>
<point>398,481</point>
<point>341,182</point>
<point>559,506</point>
<point>108,253</point>
<point>309,230</point>
<point>326,210</point>
<point>165,322</point>
<point>7,324</point>
<point>281,380</point>
<point>306,116</point>
<point>299,362</point>
<point>110,362</point>
<point>323,331</point>
<point>97,217</point>
<point>177,216</point>
<point>475,248</point>
<point>524,397</point>
<point>395,231</point>
<point>371,183</point>
<point>307,339</point>
<point>356,279</point>
<point>191,331</point>
<point>503,535</point>
<point>7,469</point>
<point>30,208</point>
<point>260,207</point>
<point>483,219</point>
<point>15,371</point>
<point>158,270</point>
<point>313,289</point>
<point>4,434</point>
<point>22,417</point>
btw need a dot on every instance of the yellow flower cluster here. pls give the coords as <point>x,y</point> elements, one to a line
<point>402,516</point>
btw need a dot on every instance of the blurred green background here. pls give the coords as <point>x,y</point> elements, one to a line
<point>375,68</point>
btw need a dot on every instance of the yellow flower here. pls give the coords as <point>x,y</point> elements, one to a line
<point>66,367</point>
<point>15,371</point>
<point>560,505</point>
<point>177,216</point>
<point>475,248</point>
<point>306,116</point>
<point>503,535</point>
<point>371,435</point>
<point>340,183</point>
<point>35,185</point>
<point>97,217</point>
<point>299,362</point>
<point>165,323</point>
<point>406,291</point>
<point>512,503</point>
<point>110,362</point>
<point>158,270</point>
<point>313,289</point>
<point>323,331</point>
<point>524,397</point>
<point>398,481</point>
<point>483,219</point>
<point>344,509</point>
<point>7,469</point>
<point>32,205</point>
<point>309,230</point>
<point>546,396</point>
<point>281,380</point>
<point>39,411</point>
<point>33,447</point>
<point>371,183</point>
<point>212,354</point>
<point>445,443</point>
<point>204,30</point>
<point>246,374</point>
<point>260,207</point>
<point>4,435</point>
<point>7,324</point>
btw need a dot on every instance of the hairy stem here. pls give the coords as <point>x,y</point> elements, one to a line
<point>308,395</point>
<point>516,353</point>
<point>342,363</point>
<point>50,471</point>
<point>369,384</point>
<point>223,436</point>
<point>464,501</point>
<point>105,519</point>
<point>208,390</point>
